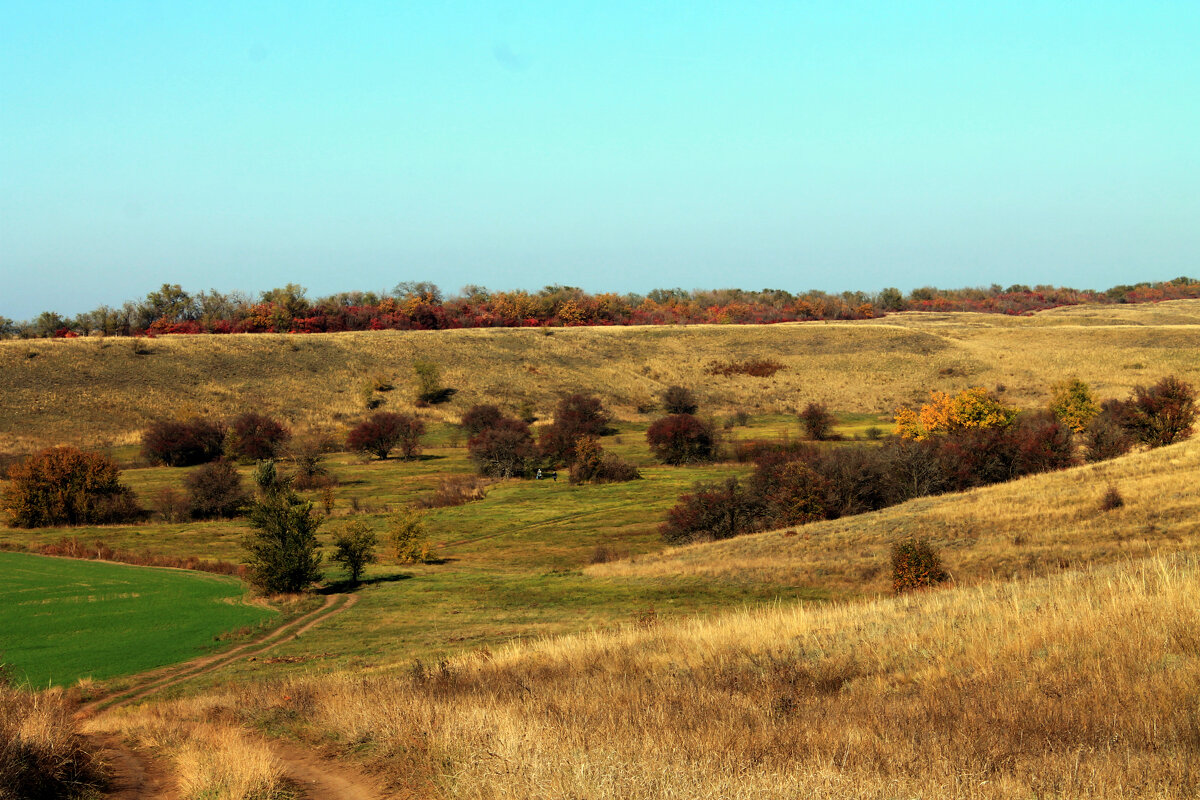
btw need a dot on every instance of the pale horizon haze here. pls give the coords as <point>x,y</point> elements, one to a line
<point>614,146</point>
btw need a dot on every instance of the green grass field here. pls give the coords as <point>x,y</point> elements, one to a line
<point>65,619</point>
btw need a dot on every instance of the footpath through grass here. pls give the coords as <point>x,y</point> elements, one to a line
<point>64,619</point>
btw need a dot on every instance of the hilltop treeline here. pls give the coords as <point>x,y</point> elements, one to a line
<point>422,306</point>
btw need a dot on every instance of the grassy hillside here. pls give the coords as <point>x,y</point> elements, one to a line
<point>105,391</point>
<point>1083,684</point>
<point>1038,524</point>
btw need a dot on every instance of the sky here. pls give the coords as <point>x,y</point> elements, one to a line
<point>615,146</point>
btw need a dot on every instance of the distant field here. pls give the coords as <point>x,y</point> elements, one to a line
<point>105,391</point>
<point>66,619</point>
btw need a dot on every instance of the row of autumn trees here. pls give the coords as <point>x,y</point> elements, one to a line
<point>952,443</point>
<point>423,306</point>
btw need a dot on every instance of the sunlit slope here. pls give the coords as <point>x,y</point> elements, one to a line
<point>1082,684</point>
<point>1034,525</point>
<point>93,391</point>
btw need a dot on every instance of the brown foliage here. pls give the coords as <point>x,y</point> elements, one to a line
<point>182,444</point>
<point>758,368</point>
<point>384,430</point>
<point>65,486</point>
<point>681,439</point>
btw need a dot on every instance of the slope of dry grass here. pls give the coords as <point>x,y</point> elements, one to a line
<point>41,753</point>
<point>1083,684</point>
<point>1035,525</point>
<point>97,391</point>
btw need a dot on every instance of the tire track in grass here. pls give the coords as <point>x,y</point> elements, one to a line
<point>136,775</point>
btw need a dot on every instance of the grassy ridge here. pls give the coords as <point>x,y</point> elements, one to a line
<point>104,391</point>
<point>66,619</point>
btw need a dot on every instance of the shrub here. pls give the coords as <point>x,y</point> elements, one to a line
<point>717,511</point>
<point>681,439</point>
<point>311,472</point>
<point>384,430</point>
<point>758,368</point>
<point>1112,499</point>
<point>354,548</point>
<point>65,486</point>
<point>282,551</point>
<point>429,384</point>
<point>944,413</point>
<point>503,450</point>
<point>1072,403</point>
<point>679,400</point>
<point>215,490</point>
<point>915,565</point>
<point>1044,443</point>
<point>183,444</point>
<point>592,464</point>
<point>456,490</point>
<point>481,417</point>
<point>171,505</point>
<point>409,539</point>
<point>1107,435</point>
<point>817,422</point>
<point>575,417</point>
<point>790,493</point>
<point>255,437</point>
<point>1162,414</point>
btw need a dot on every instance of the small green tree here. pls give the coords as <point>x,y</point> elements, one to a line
<point>354,548</point>
<point>409,539</point>
<point>1073,404</point>
<point>429,384</point>
<point>283,554</point>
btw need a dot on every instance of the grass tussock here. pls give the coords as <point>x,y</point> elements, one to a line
<point>41,753</point>
<point>313,382</point>
<point>1032,526</point>
<point>1078,685</point>
<point>210,755</point>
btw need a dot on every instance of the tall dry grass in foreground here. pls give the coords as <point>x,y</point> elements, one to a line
<point>41,754</point>
<point>1084,684</point>
<point>210,756</point>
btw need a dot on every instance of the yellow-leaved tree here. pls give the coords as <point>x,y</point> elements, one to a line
<point>975,407</point>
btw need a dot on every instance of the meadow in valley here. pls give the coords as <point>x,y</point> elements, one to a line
<point>550,643</point>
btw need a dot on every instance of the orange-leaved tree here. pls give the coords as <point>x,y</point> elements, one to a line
<point>975,407</point>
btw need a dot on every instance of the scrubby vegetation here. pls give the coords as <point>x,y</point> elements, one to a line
<point>42,755</point>
<point>383,431</point>
<point>182,444</point>
<point>65,486</point>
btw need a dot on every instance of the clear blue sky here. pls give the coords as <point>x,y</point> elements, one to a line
<point>609,145</point>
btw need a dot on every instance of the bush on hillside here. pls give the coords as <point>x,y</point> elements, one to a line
<point>790,492</point>
<point>65,486</point>
<point>679,400</point>
<point>592,465</point>
<point>503,450</point>
<point>915,565</point>
<point>385,430</point>
<point>354,548</point>
<point>1163,413</point>
<point>408,537</point>
<point>1112,499</point>
<point>681,439</point>
<point>576,416</point>
<point>1072,403</point>
<point>429,384</point>
<point>215,490</point>
<point>256,437</point>
<point>481,417</point>
<point>183,444</point>
<point>817,422</point>
<point>1044,443</point>
<point>712,511</point>
<point>311,473</point>
<point>1107,435</point>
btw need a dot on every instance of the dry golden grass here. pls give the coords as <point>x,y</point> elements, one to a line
<point>1083,684</point>
<point>1035,525</point>
<point>210,756</point>
<point>97,391</point>
<point>41,753</point>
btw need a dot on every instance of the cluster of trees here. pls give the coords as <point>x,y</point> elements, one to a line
<point>504,447</point>
<point>183,443</point>
<point>953,443</point>
<point>422,306</point>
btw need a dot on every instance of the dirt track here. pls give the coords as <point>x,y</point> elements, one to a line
<point>137,775</point>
